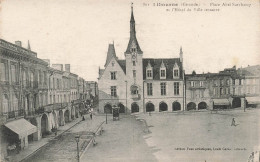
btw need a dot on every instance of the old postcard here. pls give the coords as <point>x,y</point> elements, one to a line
<point>119,81</point>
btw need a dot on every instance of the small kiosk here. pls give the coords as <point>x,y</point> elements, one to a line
<point>115,112</point>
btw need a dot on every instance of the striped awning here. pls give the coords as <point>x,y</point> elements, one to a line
<point>221,102</point>
<point>253,100</point>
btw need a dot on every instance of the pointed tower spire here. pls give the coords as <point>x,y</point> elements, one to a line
<point>133,43</point>
<point>132,20</point>
<point>29,47</point>
<point>110,53</point>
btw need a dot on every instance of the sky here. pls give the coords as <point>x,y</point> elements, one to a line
<point>78,32</point>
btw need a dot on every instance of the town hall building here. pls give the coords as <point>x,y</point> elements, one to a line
<point>137,84</point>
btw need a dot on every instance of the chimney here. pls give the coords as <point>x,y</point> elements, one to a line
<point>18,43</point>
<point>67,68</point>
<point>58,67</point>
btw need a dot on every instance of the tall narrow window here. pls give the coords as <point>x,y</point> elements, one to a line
<point>3,71</point>
<point>149,73</point>
<point>192,83</point>
<point>176,73</point>
<point>149,89</point>
<point>163,89</point>
<point>227,82</point>
<point>134,73</point>
<point>176,88</point>
<point>201,83</point>
<point>32,78</point>
<point>221,82</point>
<point>24,78</point>
<point>134,63</point>
<point>162,73</point>
<point>13,73</point>
<point>45,77</point>
<point>113,91</point>
<point>113,75</point>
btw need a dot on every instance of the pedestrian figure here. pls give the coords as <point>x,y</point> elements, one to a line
<point>94,140</point>
<point>91,116</point>
<point>83,118</point>
<point>233,123</point>
<point>150,113</point>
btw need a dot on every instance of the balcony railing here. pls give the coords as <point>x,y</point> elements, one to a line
<point>14,114</point>
<point>135,96</point>
<point>42,86</point>
<point>4,82</point>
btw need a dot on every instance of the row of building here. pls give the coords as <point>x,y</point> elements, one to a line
<point>137,84</point>
<point>37,98</point>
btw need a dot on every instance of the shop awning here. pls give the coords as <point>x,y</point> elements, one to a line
<point>21,127</point>
<point>221,101</point>
<point>253,100</point>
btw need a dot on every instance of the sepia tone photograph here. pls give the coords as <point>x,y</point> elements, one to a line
<point>130,81</point>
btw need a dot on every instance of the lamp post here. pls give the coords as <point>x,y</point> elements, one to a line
<point>106,114</point>
<point>77,140</point>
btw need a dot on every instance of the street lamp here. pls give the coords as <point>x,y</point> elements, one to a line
<point>106,114</point>
<point>77,140</point>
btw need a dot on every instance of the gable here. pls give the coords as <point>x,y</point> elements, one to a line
<point>117,67</point>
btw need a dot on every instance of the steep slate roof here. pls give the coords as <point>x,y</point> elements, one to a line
<point>110,53</point>
<point>122,65</point>
<point>156,64</point>
<point>133,38</point>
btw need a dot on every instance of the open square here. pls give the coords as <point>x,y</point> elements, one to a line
<point>178,135</point>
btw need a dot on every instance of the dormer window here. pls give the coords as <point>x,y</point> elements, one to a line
<point>149,74</point>
<point>149,71</point>
<point>163,73</point>
<point>176,73</point>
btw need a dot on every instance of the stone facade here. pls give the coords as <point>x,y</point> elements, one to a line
<point>197,92</point>
<point>46,97</point>
<point>124,83</point>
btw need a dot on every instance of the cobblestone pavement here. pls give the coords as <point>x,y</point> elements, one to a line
<point>64,147</point>
<point>122,141</point>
